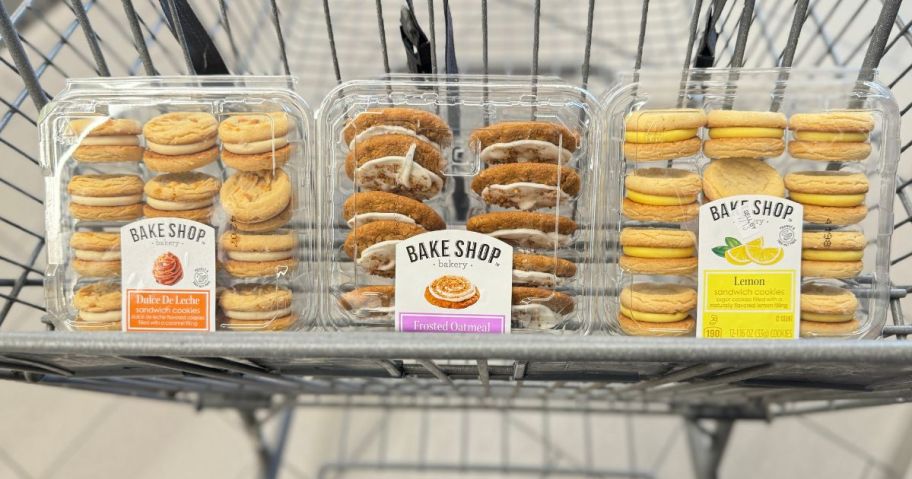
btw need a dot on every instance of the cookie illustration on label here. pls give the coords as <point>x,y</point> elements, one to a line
<point>167,269</point>
<point>451,292</point>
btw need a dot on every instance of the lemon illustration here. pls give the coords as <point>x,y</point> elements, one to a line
<point>765,256</point>
<point>737,256</point>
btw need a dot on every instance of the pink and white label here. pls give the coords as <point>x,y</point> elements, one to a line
<point>452,323</point>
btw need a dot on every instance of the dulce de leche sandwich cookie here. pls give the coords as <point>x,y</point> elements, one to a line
<point>397,164</point>
<point>252,255</point>
<point>255,141</point>
<point>106,197</point>
<point>418,124</point>
<point>658,251</point>
<point>744,134</point>
<point>527,186</point>
<point>107,140</point>
<point>252,197</point>
<point>831,136</point>
<point>96,254</point>
<point>451,292</point>
<point>653,135</point>
<point>365,207</point>
<point>538,308</point>
<point>829,197</point>
<point>180,141</point>
<point>661,194</point>
<point>827,311</point>
<point>256,307</point>
<point>369,300</point>
<point>181,195</point>
<point>524,142</point>
<point>735,176</point>
<point>525,229</point>
<point>657,309</point>
<point>373,246</point>
<point>546,271</point>
<point>832,254</point>
<point>98,306</point>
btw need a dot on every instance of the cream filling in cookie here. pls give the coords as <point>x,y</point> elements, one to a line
<point>533,316</point>
<point>257,315</point>
<point>525,196</point>
<point>521,151</point>
<point>87,255</point>
<point>256,256</point>
<point>827,200</point>
<point>658,253</point>
<point>388,172</point>
<point>653,317</point>
<point>177,205</point>
<point>832,255</point>
<point>659,200</point>
<point>666,136</point>
<point>106,200</point>
<point>365,218</point>
<point>536,278</point>
<point>745,132</point>
<point>379,256</point>
<point>532,238</point>
<point>380,130</point>
<point>827,317</point>
<point>111,140</point>
<point>254,147</point>
<point>186,149</point>
<point>102,317</point>
<point>831,136</point>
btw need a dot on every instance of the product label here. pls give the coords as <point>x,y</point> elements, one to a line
<point>168,275</point>
<point>453,281</point>
<point>749,268</point>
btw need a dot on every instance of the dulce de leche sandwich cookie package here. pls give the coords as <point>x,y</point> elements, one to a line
<point>751,206</point>
<point>466,206</point>
<point>179,206</point>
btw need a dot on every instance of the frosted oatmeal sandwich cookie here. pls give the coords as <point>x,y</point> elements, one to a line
<point>451,292</point>
<point>257,200</point>
<point>98,307</point>
<point>370,301</point>
<point>527,186</point>
<point>829,197</point>
<point>106,197</point>
<point>373,246</point>
<point>661,194</point>
<point>657,309</point>
<point>397,164</point>
<point>256,307</point>
<point>653,135</point>
<point>180,141</point>
<point>251,255</point>
<point>744,134</point>
<point>832,254</point>
<point>524,142</point>
<point>181,195</point>
<point>546,271</point>
<point>369,206</point>
<point>831,136</point>
<point>736,176</point>
<point>255,141</point>
<point>107,140</point>
<point>827,311</point>
<point>538,308</point>
<point>96,254</point>
<point>658,251</point>
<point>525,229</point>
<point>418,124</point>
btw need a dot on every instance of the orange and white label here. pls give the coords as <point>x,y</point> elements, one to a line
<point>168,310</point>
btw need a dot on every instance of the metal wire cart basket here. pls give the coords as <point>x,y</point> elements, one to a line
<point>711,383</point>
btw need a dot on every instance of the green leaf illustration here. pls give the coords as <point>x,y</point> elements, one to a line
<point>720,251</point>
<point>732,242</point>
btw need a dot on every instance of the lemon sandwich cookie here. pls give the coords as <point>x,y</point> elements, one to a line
<point>827,311</point>
<point>661,194</point>
<point>527,186</point>
<point>832,254</point>
<point>373,246</point>
<point>652,135</point>
<point>257,201</point>
<point>831,136</point>
<point>180,141</point>
<point>255,307</point>
<point>106,197</point>
<point>96,254</point>
<point>524,142</point>
<point>662,251</point>
<point>181,195</point>
<point>730,177</point>
<point>419,124</point>
<point>251,255</point>
<point>538,308</point>
<point>398,164</point>
<point>255,141</point>
<point>829,197</point>
<point>107,140</point>
<point>369,206</point>
<point>744,134</point>
<point>525,229</point>
<point>546,271</point>
<point>98,307</point>
<point>657,309</point>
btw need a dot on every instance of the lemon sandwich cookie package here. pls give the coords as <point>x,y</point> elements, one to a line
<point>462,205</point>
<point>176,205</point>
<point>738,221</point>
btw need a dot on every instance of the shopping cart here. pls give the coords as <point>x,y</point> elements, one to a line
<point>712,384</point>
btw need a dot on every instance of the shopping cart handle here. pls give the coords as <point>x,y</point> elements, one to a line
<point>196,43</point>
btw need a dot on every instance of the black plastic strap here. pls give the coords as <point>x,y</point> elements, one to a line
<point>417,46</point>
<point>450,55</point>
<point>199,45</point>
<point>706,51</point>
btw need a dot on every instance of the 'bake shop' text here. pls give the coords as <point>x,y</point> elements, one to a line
<point>163,230</point>
<point>464,249</point>
<point>771,207</point>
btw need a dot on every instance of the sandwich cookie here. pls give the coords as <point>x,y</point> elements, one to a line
<point>251,255</point>
<point>98,307</point>
<point>96,254</point>
<point>451,292</point>
<point>658,251</point>
<point>257,200</point>
<point>661,194</point>
<point>827,311</point>
<point>418,124</point>
<point>524,142</point>
<point>256,307</point>
<point>538,308</point>
<point>653,135</point>
<point>527,186</point>
<point>831,136</point>
<point>525,229</point>
<point>370,300</point>
<point>106,197</point>
<point>832,254</point>
<point>744,134</point>
<point>180,141</point>
<point>370,206</point>
<point>829,197</point>
<point>255,141</point>
<point>107,140</point>
<point>397,164</point>
<point>657,309</point>
<point>373,246</point>
<point>541,270</point>
<point>735,176</point>
<point>181,195</point>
